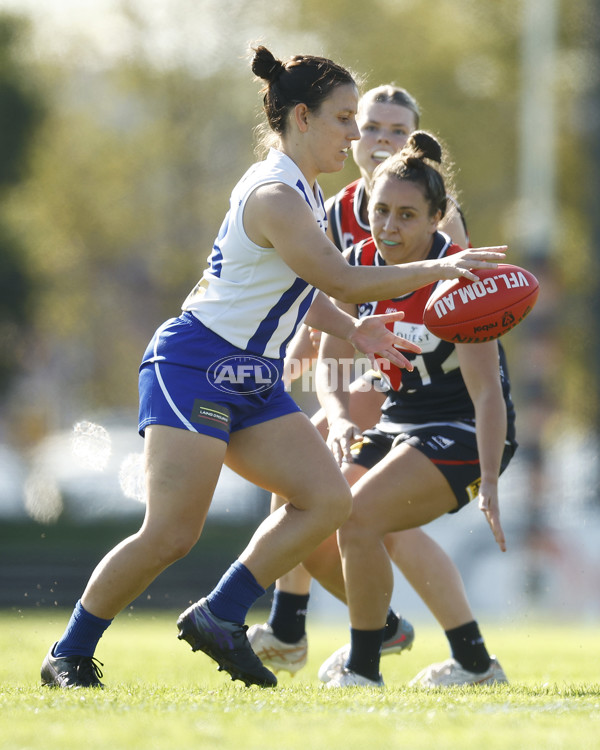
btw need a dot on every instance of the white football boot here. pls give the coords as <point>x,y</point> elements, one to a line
<point>449,673</point>
<point>276,654</point>
<point>401,640</point>
<point>344,678</point>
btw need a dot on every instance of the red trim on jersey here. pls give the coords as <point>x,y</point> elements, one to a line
<point>346,225</point>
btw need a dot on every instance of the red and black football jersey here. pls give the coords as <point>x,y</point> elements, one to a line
<point>435,389</point>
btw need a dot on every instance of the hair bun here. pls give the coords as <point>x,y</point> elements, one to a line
<point>265,65</point>
<point>425,145</point>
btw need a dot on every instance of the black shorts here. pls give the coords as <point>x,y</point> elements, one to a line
<point>452,448</point>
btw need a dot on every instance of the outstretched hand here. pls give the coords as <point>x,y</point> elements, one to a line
<point>488,503</point>
<point>371,337</point>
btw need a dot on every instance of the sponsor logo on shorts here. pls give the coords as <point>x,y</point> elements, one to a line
<point>473,489</point>
<point>439,441</point>
<point>211,415</point>
<point>243,374</point>
<point>356,448</point>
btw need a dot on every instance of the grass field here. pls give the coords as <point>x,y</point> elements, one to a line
<point>161,696</point>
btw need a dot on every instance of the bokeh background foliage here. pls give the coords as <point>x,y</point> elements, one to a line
<point>117,162</point>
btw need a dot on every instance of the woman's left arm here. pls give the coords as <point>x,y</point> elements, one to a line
<point>481,373</point>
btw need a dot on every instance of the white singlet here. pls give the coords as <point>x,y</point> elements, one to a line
<point>248,295</point>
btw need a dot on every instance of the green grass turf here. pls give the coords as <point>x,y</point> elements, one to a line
<point>161,696</point>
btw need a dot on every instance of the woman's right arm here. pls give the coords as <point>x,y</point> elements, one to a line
<point>333,375</point>
<point>276,216</point>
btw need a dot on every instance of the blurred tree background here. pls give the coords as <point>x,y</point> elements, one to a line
<point>119,154</point>
<point>20,114</point>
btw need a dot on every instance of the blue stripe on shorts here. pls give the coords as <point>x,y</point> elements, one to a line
<point>192,379</point>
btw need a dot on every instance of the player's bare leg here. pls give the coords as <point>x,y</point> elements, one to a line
<point>179,492</point>
<point>365,406</point>
<point>182,470</point>
<point>273,455</point>
<point>432,574</point>
<point>405,490</point>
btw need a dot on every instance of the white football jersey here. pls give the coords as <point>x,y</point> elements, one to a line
<point>248,295</point>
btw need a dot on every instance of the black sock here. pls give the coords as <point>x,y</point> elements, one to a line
<point>288,616</point>
<point>391,624</point>
<point>365,652</point>
<point>468,648</point>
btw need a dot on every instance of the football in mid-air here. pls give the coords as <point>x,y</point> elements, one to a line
<point>469,312</point>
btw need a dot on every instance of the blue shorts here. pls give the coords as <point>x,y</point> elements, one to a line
<point>452,447</point>
<point>195,380</point>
